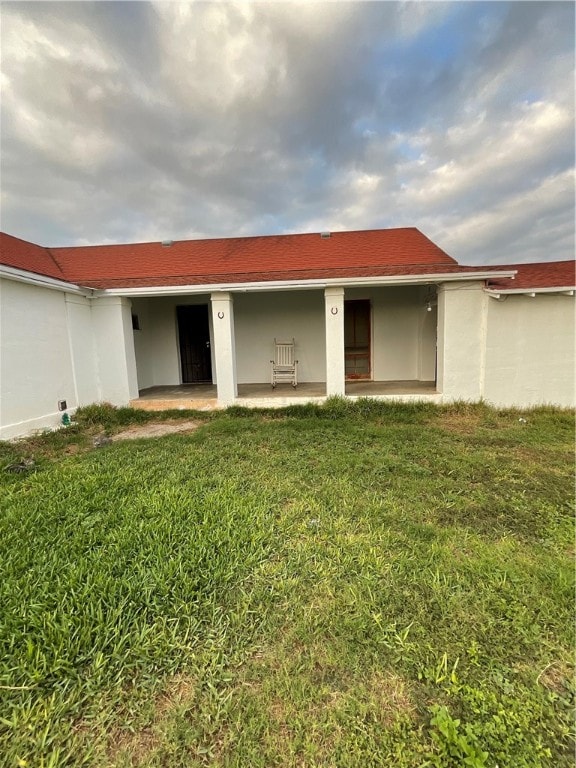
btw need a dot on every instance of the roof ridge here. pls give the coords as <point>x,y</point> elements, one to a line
<point>245,237</point>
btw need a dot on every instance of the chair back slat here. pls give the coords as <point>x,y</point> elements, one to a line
<point>284,353</point>
<point>284,364</point>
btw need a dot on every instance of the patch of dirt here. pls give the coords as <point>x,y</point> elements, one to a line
<point>557,677</point>
<point>180,689</point>
<point>460,423</point>
<point>155,430</point>
<point>136,747</point>
<point>390,693</point>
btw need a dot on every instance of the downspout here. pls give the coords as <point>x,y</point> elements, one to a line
<point>483,340</point>
<point>71,350</point>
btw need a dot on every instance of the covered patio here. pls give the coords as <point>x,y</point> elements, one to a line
<point>204,397</point>
<point>205,351</point>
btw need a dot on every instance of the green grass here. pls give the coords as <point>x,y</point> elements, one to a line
<point>341,585</point>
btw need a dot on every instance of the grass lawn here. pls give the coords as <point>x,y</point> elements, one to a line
<point>351,585</point>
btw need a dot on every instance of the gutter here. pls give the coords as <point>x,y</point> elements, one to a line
<point>503,292</point>
<point>299,285</point>
<point>41,281</point>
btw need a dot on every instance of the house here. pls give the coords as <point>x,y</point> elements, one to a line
<point>384,313</point>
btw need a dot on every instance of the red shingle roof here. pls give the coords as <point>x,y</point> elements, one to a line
<point>27,256</point>
<point>247,259</point>
<point>370,253</point>
<point>546,274</point>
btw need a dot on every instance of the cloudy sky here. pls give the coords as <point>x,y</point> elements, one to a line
<point>126,122</point>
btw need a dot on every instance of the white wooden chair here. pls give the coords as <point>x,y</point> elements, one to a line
<point>284,366</point>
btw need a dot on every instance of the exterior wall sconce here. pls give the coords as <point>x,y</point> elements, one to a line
<point>430,299</point>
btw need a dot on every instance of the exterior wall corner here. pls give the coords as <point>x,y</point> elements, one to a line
<point>335,366</point>
<point>224,347</point>
<point>461,340</point>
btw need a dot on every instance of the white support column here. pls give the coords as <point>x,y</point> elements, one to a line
<point>224,347</point>
<point>462,309</point>
<point>335,376</point>
<point>114,343</point>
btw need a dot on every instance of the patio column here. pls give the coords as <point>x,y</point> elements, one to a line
<point>462,319</point>
<point>114,344</point>
<point>334,298</point>
<point>224,347</point>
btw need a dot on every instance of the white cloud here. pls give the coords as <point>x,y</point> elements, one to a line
<point>414,17</point>
<point>484,156</point>
<point>520,222</point>
<point>25,42</point>
<point>131,121</point>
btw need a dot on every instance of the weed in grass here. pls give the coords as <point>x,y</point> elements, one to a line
<point>455,746</point>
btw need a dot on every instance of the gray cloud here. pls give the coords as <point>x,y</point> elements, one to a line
<point>135,121</point>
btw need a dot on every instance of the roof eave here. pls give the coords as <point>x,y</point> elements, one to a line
<point>43,281</point>
<point>497,292</point>
<point>298,285</point>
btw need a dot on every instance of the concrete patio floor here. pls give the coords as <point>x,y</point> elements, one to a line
<point>203,397</point>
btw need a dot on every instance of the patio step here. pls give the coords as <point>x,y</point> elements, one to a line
<point>176,404</point>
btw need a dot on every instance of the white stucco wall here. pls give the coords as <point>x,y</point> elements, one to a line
<point>530,351</point>
<point>403,333</point>
<point>258,319</point>
<point>35,358</point>
<point>335,341</point>
<point>222,334</point>
<point>163,342</point>
<point>115,355</point>
<point>462,309</point>
<point>60,346</point>
<point>428,336</point>
<point>142,340</point>
<point>262,317</point>
<point>156,344</point>
<point>83,349</point>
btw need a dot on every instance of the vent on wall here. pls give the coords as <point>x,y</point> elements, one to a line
<point>324,235</point>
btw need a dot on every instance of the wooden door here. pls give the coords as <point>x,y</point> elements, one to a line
<point>357,339</point>
<point>194,337</point>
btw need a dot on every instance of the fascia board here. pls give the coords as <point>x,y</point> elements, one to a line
<point>42,281</point>
<point>299,285</point>
<point>568,290</point>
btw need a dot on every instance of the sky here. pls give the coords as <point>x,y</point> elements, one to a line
<point>135,122</point>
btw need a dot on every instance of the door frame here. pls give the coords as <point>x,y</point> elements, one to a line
<point>210,339</point>
<point>370,375</point>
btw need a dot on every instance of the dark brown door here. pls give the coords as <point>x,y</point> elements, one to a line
<point>194,335</point>
<point>357,339</point>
